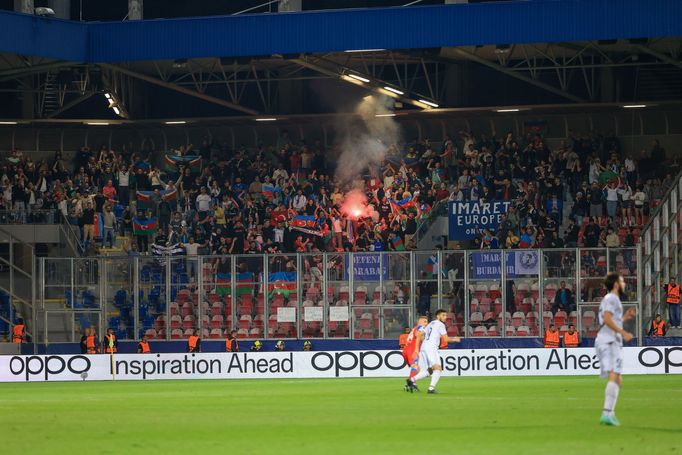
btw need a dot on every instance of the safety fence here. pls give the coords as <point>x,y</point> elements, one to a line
<point>661,252</point>
<point>487,293</point>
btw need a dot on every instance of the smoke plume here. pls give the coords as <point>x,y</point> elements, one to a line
<point>365,144</point>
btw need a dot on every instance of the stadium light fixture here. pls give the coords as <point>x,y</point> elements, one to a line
<point>633,106</point>
<point>266,119</point>
<point>508,110</point>
<point>352,51</point>
<point>97,123</point>
<point>108,96</point>
<point>394,90</point>
<point>358,78</point>
<point>428,103</point>
<point>176,122</point>
<point>385,115</point>
<point>5,122</point>
<point>116,110</point>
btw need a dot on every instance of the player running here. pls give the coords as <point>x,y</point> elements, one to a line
<point>411,351</point>
<point>435,337</point>
<point>609,343</point>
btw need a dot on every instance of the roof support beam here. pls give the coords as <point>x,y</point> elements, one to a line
<point>515,74</point>
<point>662,57</point>
<point>180,89</point>
<point>71,104</point>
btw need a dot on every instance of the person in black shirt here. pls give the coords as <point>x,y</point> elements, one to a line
<point>88,221</point>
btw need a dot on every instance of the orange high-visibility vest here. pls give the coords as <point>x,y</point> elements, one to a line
<point>18,334</point>
<point>192,341</point>
<point>231,346</point>
<point>551,339</point>
<point>571,341</point>
<point>107,349</point>
<point>145,347</point>
<point>402,340</point>
<point>658,328</point>
<point>90,344</point>
<point>673,294</point>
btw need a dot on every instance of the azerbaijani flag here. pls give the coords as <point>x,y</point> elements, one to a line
<point>169,195</point>
<point>397,243</point>
<point>145,227</point>
<point>244,280</point>
<point>403,203</point>
<point>304,221</point>
<point>173,162</point>
<point>142,165</point>
<point>282,283</point>
<point>270,190</point>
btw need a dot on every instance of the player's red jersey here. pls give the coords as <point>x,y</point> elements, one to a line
<point>408,350</point>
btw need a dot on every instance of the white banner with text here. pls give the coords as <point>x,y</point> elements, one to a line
<point>328,364</point>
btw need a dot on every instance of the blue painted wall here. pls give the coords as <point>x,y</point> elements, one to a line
<point>324,31</point>
<point>333,345</point>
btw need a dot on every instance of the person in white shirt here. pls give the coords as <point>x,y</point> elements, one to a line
<point>203,201</point>
<point>191,250</point>
<point>611,200</point>
<point>639,198</point>
<point>625,193</point>
<point>299,201</point>
<point>609,343</point>
<point>435,337</point>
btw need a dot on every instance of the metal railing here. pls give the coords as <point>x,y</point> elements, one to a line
<point>661,252</point>
<point>41,216</point>
<point>17,282</point>
<point>508,293</point>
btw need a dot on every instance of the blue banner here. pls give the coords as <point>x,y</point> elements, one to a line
<point>488,265</point>
<point>366,267</point>
<point>466,219</point>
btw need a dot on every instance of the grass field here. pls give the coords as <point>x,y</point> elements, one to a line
<point>350,416</point>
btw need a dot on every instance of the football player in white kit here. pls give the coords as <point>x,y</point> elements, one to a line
<point>609,343</point>
<point>435,336</point>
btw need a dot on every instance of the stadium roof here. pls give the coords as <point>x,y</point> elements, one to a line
<point>460,55</point>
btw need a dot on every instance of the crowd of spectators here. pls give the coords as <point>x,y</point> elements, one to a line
<point>245,201</point>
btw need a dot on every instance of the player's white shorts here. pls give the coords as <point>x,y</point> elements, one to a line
<point>610,357</point>
<point>428,357</point>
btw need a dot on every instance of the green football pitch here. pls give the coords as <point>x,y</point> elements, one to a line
<point>554,415</point>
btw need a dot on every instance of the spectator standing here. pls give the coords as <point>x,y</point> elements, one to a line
<point>108,226</point>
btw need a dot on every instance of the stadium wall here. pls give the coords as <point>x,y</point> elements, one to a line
<point>328,364</point>
<point>166,347</point>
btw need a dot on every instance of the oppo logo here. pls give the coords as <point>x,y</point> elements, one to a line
<point>349,361</point>
<point>653,357</point>
<point>46,366</point>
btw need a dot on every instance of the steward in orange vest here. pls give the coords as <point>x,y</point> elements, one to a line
<point>402,340</point>
<point>231,344</point>
<point>110,339</point>
<point>673,292</point>
<point>143,346</point>
<point>194,342</point>
<point>90,345</point>
<point>658,327</point>
<point>551,337</point>
<point>571,338</point>
<point>18,332</point>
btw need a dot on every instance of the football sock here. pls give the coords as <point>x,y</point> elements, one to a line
<point>434,378</point>
<point>610,398</point>
<point>421,375</point>
<point>413,372</point>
